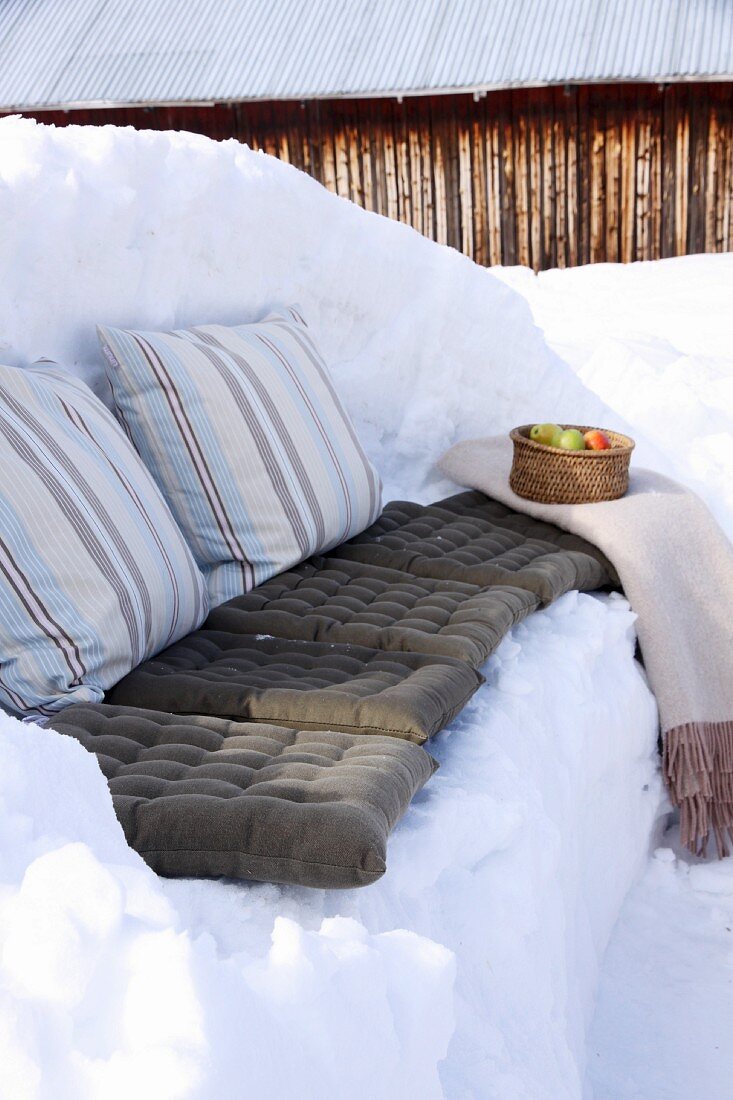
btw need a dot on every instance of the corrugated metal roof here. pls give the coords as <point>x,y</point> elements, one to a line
<point>81,52</point>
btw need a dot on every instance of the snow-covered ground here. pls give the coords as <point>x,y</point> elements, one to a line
<point>662,1025</point>
<point>471,970</point>
<point>655,341</point>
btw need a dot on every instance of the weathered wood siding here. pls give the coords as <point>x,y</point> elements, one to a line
<point>544,177</point>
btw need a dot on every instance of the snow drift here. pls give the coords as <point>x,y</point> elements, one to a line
<point>470,969</point>
<point>153,230</point>
<point>652,340</point>
<point>105,994</point>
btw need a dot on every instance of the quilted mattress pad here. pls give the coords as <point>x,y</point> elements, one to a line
<point>385,635</point>
<point>275,741</point>
<point>304,685</point>
<point>208,797</point>
<point>473,539</point>
<point>361,604</point>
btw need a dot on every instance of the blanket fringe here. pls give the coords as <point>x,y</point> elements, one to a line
<point>698,771</point>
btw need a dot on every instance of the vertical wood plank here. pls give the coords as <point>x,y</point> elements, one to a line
<point>682,174</point>
<point>427,162</point>
<point>696,184</point>
<point>536,196</point>
<point>413,130</point>
<point>669,144</point>
<point>628,186</point>
<point>655,178</point>
<point>480,189</point>
<point>521,175</point>
<point>353,147</point>
<point>507,185</point>
<point>452,173</point>
<point>584,145</point>
<point>725,190</point>
<point>465,185</point>
<point>613,181</point>
<point>572,177</point>
<point>494,169</point>
<point>341,160</point>
<point>548,257</point>
<point>710,184</point>
<point>376,125</point>
<point>402,150</point>
<point>597,183</point>
<point>440,156</point>
<point>720,175</point>
<point>642,202</point>
<point>366,156</point>
<point>560,172</point>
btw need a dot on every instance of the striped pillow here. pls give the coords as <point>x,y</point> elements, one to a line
<point>95,576</point>
<point>244,433</point>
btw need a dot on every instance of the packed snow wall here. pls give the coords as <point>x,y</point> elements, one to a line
<point>143,229</point>
<point>470,969</point>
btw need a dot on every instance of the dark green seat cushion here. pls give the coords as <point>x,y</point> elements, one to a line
<point>329,600</point>
<point>473,539</point>
<point>303,685</point>
<point>208,797</point>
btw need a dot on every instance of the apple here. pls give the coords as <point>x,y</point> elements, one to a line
<point>571,440</point>
<point>544,433</point>
<point>595,440</point>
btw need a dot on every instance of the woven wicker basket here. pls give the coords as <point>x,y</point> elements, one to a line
<point>551,475</point>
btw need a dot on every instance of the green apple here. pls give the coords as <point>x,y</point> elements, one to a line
<point>544,433</point>
<point>571,440</point>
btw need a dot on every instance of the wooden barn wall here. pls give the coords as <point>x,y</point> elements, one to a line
<point>543,177</point>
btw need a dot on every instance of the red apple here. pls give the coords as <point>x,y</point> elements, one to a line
<point>595,440</point>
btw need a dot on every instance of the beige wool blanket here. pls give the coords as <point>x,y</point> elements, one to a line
<point>676,568</point>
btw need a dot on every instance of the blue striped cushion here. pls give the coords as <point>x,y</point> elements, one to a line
<point>244,433</point>
<point>95,576</point>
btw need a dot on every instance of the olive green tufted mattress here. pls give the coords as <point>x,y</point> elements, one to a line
<point>281,740</point>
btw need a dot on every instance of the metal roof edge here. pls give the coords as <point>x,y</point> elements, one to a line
<point>400,94</point>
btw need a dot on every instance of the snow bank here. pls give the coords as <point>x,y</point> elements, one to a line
<point>105,992</point>
<point>525,844</point>
<point>653,341</point>
<point>161,230</point>
<point>662,1027</point>
<point>469,970</point>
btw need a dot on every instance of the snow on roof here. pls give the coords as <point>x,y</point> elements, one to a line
<point>66,53</point>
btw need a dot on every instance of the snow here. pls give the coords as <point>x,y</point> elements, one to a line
<point>105,988</point>
<point>468,970</point>
<point>662,1027</point>
<point>163,230</point>
<point>471,969</point>
<point>653,341</point>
